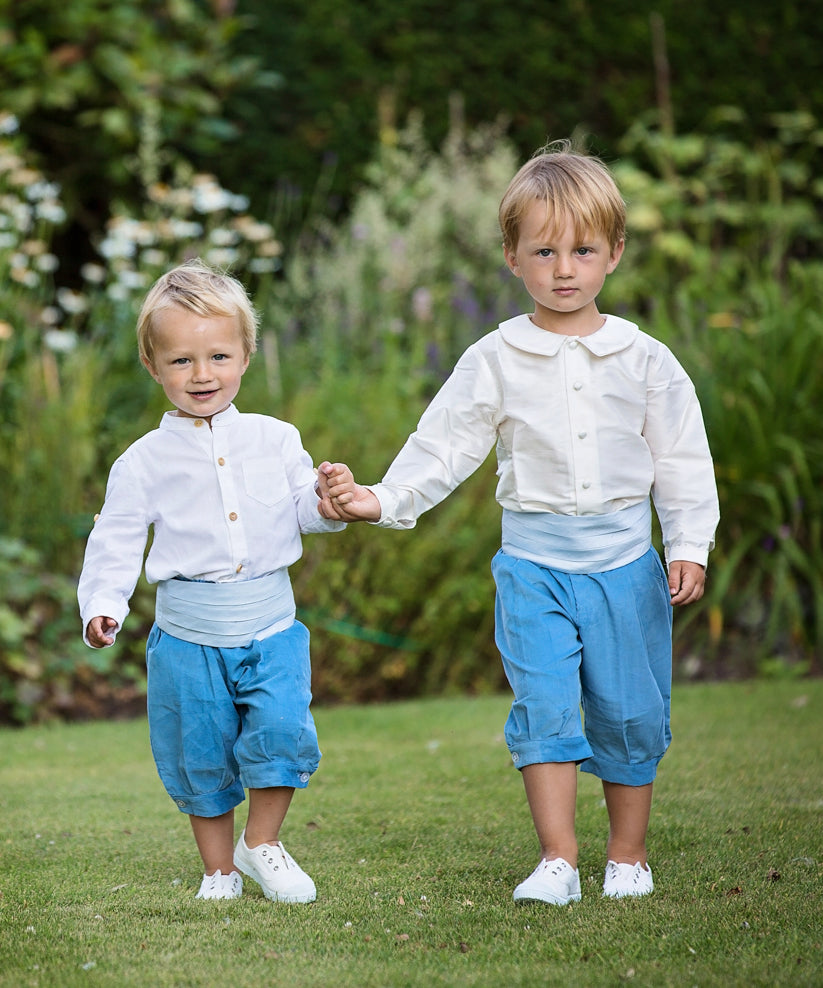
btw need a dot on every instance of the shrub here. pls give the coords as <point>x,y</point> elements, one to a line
<point>359,328</point>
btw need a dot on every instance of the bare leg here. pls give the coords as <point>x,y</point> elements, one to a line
<point>551,789</point>
<point>629,809</point>
<point>267,810</point>
<point>215,841</point>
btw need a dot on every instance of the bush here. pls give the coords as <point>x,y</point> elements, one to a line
<point>360,326</point>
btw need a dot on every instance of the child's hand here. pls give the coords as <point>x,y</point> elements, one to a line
<point>341,499</point>
<point>686,581</point>
<point>97,631</point>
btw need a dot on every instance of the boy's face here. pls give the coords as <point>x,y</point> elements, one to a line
<point>562,273</point>
<point>198,360</point>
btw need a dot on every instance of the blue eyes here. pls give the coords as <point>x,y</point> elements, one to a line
<point>185,360</point>
<point>579,251</point>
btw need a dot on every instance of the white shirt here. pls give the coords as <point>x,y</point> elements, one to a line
<point>226,503</point>
<point>582,425</point>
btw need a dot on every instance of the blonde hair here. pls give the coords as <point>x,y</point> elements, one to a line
<point>574,186</point>
<point>202,289</point>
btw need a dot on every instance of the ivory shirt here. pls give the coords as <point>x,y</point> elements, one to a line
<point>582,426</point>
<point>225,503</point>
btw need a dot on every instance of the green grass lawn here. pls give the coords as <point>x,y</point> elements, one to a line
<point>416,831</point>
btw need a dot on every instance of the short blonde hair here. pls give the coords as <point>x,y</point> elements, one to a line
<point>202,289</point>
<point>573,186</point>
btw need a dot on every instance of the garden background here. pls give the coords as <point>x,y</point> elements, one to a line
<point>346,160</point>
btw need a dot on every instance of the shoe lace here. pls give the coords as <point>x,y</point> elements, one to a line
<point>214,882</point>
<point>271,852</point>
<point>555,867</point>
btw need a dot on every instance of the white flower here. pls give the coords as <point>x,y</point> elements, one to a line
<point>47,263</point>
<point>117,292</point>
<point>39,191</point>
<point>222,257</point>
<point>71,302</point>
<point>50,211</point>
<point>153,257</point>
<point>94,274</point>
<point>131,279</point>
<point>221,237</point>
<point>26,277</point>
<point>113,247</point>
<point>263,265</point>
<point>50,316</point>
<point>60,340</point>
<point>8,123</point>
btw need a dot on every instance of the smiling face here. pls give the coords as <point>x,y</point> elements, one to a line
<point>197,360</point>
<point>562,271</point>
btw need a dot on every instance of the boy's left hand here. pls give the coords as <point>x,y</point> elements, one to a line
<point>686,581</point>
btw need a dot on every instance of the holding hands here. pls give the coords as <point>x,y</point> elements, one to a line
<point>341,499</point>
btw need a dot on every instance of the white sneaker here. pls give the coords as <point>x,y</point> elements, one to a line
<point>551,881</point>
<point>625,879</point>
<point>220,886</point>
<point>280,876</point>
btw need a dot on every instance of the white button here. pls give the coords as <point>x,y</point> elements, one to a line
<point>582,434</point>
<point>586,484</point>
<point>577,385</point>
<point>572,344</point>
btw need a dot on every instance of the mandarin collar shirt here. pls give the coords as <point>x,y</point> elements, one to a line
<point>225,503</point>
<point>581,425</point>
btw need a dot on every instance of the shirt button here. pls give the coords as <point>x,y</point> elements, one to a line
<point>198,423</point>
<point>577,385</point>
<point>221,461</point>
<point>572,344</point>
<point>239,567</point>
<point>582,434</point>
<point>233,516</point>
<point>586,484</point>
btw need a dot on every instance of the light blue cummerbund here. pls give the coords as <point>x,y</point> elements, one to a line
<point>579,543</point>
<point>225,615</point>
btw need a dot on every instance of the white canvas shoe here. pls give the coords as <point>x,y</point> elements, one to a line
<point>551,881</point>
<point>625,879</point>
<point>220,886</point>
<point>279,875</point>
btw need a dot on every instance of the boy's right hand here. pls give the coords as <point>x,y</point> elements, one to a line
<point>97,631</point>
<point>341,499</point>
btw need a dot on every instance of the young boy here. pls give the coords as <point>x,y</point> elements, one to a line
<point>227,495</point>
<point>589,417</point>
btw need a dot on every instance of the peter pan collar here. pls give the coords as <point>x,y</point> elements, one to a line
<point>614,335</point>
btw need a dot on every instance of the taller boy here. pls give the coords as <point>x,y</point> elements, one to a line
<point>590,417</point>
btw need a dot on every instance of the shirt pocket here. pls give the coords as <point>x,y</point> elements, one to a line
<point>265,481</point>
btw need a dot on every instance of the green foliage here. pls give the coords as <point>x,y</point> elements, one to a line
<point>361,324</point>
<point>350,75</point>
<point>46,670</point>
<point>111,95</point>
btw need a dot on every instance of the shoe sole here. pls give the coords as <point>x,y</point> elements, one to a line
<point>554,900</point>
<point>627,895</point>
<point>277,896</point>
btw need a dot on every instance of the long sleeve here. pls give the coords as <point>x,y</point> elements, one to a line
<point>684,489</point>
<point>454,436</point>
<point>114,551</point>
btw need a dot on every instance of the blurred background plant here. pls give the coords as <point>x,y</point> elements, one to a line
<point>363,315</point>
